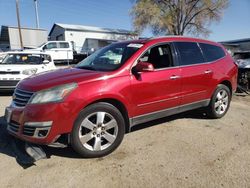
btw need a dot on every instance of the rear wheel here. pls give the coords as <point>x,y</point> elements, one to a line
<point>98,130</point>
<point>220,102</point>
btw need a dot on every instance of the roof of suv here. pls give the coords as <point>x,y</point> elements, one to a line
<point>174,38</point>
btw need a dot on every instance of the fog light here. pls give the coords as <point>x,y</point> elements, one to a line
<point>42,133</point>
<point>41,129</point>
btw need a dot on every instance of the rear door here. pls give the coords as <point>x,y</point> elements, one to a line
<point>160,89</point>
<point>195,73</point>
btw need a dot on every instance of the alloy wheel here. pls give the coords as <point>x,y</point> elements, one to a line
<point>221,102</point>
<point>98,131</point>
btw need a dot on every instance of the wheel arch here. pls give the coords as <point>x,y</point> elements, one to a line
<point>120,106</point>
<point>228,84</point>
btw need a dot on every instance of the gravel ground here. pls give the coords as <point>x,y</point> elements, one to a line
<point>185,150</point>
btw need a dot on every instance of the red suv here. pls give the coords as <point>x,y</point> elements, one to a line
<point>124,84</point>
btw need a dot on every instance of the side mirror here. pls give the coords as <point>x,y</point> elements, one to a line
<point>46,61</point>
<point>144,67</point>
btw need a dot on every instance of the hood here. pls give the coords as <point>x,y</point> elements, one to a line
<point>58,77</point>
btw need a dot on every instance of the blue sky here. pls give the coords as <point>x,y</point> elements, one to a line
<point>114,14</point>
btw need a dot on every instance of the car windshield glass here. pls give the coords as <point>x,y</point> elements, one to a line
<point>21,59</point>
<point>109,58</point>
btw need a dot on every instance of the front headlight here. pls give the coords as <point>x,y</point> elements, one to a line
<point>29,71</point>
<point>54,94</point>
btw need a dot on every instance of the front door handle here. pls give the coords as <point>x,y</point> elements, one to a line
<point>208,72</point>
<point>174,77</point>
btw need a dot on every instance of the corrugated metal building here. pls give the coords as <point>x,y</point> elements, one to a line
<point>84,38</point>
<point>32,38</point>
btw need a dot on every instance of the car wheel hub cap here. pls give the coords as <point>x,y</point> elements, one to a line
<point>221,102</point>
<point>98,131</point>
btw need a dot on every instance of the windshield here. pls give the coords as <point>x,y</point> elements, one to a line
<point>25,59</point>
<point>109,58</point>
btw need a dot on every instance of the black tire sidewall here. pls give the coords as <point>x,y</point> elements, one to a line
<point>101,106</point>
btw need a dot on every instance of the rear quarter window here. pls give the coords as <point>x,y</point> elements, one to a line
<point>189,52</point>
<point>212,52</point>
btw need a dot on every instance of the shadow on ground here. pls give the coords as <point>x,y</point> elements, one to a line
<point>15,148</point>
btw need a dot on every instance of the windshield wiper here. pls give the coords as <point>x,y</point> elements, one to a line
<point>86,67</point>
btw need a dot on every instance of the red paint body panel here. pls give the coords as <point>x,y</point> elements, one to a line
<point>140,94</point>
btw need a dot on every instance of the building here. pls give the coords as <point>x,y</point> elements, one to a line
<point>87,38</point>
<point>32,38</point>
<point>239,45</point>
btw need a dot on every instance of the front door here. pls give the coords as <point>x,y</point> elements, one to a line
<point>152,92</point>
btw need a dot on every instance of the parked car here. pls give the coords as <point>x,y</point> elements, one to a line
<point>60,51</point>
<point>19,65</point>
<point>243,62</point>
<point>94,103</point>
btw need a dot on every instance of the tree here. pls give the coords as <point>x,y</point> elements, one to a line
<point>177,17</point>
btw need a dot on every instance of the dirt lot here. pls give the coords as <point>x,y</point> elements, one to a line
<point>185,150</point>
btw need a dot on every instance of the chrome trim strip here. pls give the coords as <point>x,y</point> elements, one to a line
<point>24,91</point>
<point>198,92</point>
<point>22,95</point>
<point>163,100</point>
<point>153,102</point>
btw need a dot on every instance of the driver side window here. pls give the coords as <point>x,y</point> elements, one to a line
<point>50,45</point>
<point>159,56</point>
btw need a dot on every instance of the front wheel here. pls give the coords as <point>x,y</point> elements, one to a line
<point>220,102</point>
<point>98,130</point>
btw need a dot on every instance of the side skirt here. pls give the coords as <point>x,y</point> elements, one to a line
<point>167,112</point>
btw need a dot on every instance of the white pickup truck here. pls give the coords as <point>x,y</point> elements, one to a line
<point>60,51</point>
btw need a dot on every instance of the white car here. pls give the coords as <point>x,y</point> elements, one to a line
<point>19,65</point>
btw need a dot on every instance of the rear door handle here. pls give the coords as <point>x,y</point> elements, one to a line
<point>174,77</point>
<point>208,72</point>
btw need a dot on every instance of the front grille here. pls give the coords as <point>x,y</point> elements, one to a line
<point>21,98</point>
<point>9,72</point>
<point>13,126</point>
<point>8,83</point>
<point>28,130</point>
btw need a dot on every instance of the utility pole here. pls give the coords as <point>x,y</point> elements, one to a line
<point>19,25</point>
<point>37,18</point>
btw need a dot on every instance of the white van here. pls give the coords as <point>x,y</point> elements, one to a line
<point>19,65</point>
<point>60,51</point>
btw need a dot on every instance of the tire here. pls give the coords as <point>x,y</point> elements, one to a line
<point>220,102</point>
<point>98,130</point>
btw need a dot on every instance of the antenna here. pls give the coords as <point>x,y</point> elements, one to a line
<point>36,10</point>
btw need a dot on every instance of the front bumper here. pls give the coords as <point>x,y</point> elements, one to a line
<point>41,123</point>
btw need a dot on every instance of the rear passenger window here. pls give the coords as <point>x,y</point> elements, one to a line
<point>212,52</point>
<point>63,45</point>
<point>190,53</point>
